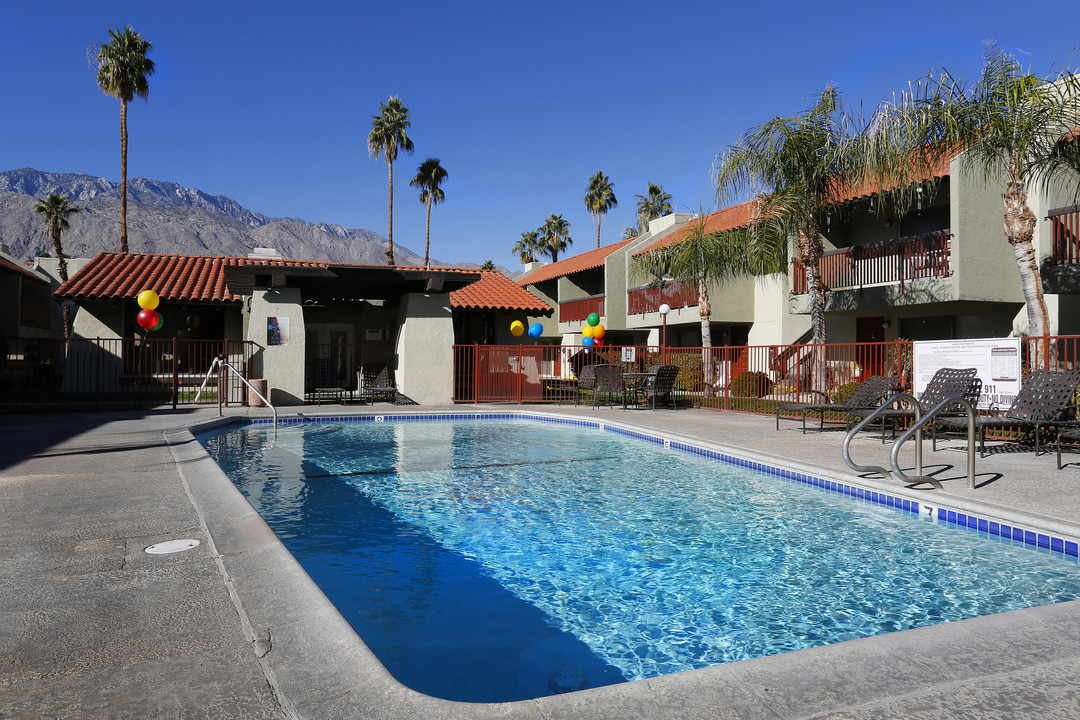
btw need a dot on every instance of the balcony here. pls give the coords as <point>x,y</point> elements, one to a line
<point>896,261</point>
<point>648,298</point>
<point>1065,234</point>
<point>578,310</point>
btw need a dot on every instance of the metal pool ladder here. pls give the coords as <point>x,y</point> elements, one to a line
<point>221,361</point>
<point>916,431</point>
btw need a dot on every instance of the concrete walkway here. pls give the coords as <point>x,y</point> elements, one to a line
<point>91,626</point>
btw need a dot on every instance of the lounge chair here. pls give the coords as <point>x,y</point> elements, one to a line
<point>609,380</point>
<point>1045,400</point>
<point>946,383</point>
<point>660,383</point>
<point>866,397</point>
<point>327,384</point>
<point>1069,435</point>
<point>377,384</point>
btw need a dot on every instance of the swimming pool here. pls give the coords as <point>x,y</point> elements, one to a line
<point>475,577</point>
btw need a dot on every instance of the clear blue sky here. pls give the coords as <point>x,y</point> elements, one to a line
<point>270,103</point>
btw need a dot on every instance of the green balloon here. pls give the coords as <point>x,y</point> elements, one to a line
<point>593,319</point>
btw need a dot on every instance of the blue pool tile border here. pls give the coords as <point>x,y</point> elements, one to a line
<point>991,528</point>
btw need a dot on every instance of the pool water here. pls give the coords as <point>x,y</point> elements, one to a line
<point>501,560</point>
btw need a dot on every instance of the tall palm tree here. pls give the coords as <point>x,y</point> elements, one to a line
<point>655,203</point>
<point>528,247</point>
<point>600,198</point>
<point>55,211</point>
<point>555,236</point>
<point>429,176</point>
<point>387,136</point>
<point>796,165</point>
<point>1011,126</point>
<point>123,72</point>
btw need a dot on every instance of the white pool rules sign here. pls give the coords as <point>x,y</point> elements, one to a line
<point>997,361</point>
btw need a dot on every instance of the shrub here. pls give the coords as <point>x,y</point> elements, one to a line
<point>751,383</point>
<point>845,390</point>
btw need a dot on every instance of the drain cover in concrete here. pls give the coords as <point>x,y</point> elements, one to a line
<point>172,546</point>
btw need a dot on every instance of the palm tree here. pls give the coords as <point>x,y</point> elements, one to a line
<point>1010,125</point>
<point>123,69</point>
<point>797,165</point>
<point>55,211</point>
<point>528,246</point>
<point>555,236</point>
<point>630,232</point>
<point>655,203</point>
<point>488,265</point>
<point>387,136</point>
<point>429,176</point>
<point>600,198</point>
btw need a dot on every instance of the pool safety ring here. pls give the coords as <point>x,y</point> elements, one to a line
<point>172,546</point>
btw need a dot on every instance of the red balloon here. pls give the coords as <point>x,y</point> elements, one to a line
<point>147,319</point>
<point>597,342</point>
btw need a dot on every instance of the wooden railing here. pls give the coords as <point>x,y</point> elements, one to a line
<point>579,309</point>
<point>645,299</point>
<point>1065,229</point>
<point>895,261</point>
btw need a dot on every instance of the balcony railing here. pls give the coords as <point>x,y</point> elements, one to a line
<point>647,298</point>
<point>896,261</point>
<point>1065,228</point>
<point>579,309</point>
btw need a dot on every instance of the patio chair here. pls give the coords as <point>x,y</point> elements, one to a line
<point>866,397</point>
<point>609,380</point>
<point>946,383</point>
<point>586,382</point>
<point>377,384</point>
<point>660,383</point>
<point>1046,399</point>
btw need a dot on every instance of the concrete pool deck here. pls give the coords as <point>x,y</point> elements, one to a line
<point>91,626</point>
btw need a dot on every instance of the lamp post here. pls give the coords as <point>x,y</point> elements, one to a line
<point>664,310</point>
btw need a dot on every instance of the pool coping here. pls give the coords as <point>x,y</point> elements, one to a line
<point>319,667</point>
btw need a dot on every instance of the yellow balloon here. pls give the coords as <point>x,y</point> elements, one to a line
<point>598,332</point>
<point>517,328</point>
<point>148,299</point>
<point>587,331</point>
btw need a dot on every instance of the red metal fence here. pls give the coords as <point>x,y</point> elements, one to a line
<point>580,309</point>
<point>117,371</point>
<point>1065,229</point>
<point>895,261</point>
<point>748,378</point>
<point>648,299</point>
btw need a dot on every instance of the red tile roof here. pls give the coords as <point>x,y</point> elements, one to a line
<point>584,261</point>
<point>729,218</point>
<point>201,278</point>
<point>495,291</point>
<point>192,278</point>
<point>21,269</point>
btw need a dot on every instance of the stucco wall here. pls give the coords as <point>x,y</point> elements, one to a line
<point>281,365</point>
<point>425,349</point>
<point>100,320</point>
<point>983,262</point>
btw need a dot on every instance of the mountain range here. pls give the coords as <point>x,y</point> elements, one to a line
<point>164,217</point>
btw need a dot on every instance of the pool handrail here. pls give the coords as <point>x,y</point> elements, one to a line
<point>916,431</point>
<point>222,361</point>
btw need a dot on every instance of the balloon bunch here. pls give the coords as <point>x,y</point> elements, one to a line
<point>148,318</point>
<point>593,332</point>
<point>517,328</point>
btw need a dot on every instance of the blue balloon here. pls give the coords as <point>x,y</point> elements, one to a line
<point>536,330</point>
<point>587,342</point>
